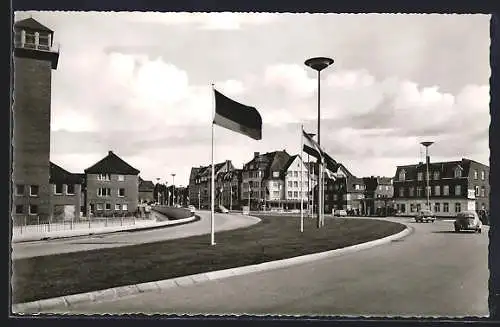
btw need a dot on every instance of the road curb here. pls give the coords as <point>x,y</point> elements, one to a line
<point>162,285</point>
<point>168,223</point>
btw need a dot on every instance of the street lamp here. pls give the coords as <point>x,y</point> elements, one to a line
<point>427,145</point>
<point>173,188</point>
<point>318,64</point>
<point>158,189</point>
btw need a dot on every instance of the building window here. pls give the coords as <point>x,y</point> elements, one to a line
<point>19,189</point>
<point>33,209</point>
<point>412,207</point>
<point>29,39</point>
<point>58,189</point>
<point>276,174</point>
<point>458,190</point>
<point>475,174</point>
<point>289,194</point>
<point>436,175</point>
<point>419,207</point>
<point>295,194</point>
<point>124,207</point>
<point>290,183</point>
<point>70,189</point>
<point>482,175</point>
<point>99,207</point>
<point>437,190</point>
<point>34,190</point>
<point>335,197</point>
<point>295,184</point>
<point>437,207</point>
<point>446,190</point>
<point>483,191</point>
<point>117,207</point>
<point>104,177</point>
<point>401,191</point>
<point>458,172</point>
<point>446,207</point>
<point>121,192</point>
<point>420,176</point>
<point>19,209</point>
<point>476,190</point>
<point>458,207</point>
<point>121,178</point>
<point>402,175</point>
<point>103,191</point>
<point>108,206</point>
<point>276,194</point>
<point>295,174</point>
<point>419,191</point>
<point>412,191</point>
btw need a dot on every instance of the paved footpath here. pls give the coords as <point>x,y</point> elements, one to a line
<point>86,243</point>
<point>432,272</point>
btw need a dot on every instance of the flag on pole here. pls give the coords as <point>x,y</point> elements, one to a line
<point>237,117</point>
<point>310,146</point>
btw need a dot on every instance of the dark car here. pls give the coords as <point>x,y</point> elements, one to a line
<point>468,220</point>
<point>425,216</point>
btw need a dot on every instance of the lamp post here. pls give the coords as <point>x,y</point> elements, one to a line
<point>173,188</point>
<point>318,64</point>
<point>427,145</point>
<point>158,189</point>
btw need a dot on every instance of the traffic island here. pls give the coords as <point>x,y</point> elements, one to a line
<point>275,238</point>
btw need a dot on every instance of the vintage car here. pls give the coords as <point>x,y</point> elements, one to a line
<point>468,220</point>
<point>424,216</point>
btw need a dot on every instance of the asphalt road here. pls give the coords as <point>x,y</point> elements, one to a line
<point>434,272</point>
<point>85,243</point>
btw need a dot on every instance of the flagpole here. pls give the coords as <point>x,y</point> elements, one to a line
<point>301,179</point>
<point>212,214</point>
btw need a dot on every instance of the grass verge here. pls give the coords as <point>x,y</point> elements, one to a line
<point>273,239</point>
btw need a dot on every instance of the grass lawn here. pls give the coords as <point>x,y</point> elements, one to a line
<point>274,238</point>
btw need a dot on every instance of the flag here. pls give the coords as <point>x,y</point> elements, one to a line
<point>267,191</point>
<point>237,117</point>
<point>311,147</point>
<point>331,164</point>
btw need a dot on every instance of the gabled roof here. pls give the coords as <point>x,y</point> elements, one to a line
<point>145,186</point>
<point>112,164</point>
<point>31,24</point>
<point>194,172</point>
<point>280,159</point>
<point>446,169</point>
<point>58,175</point>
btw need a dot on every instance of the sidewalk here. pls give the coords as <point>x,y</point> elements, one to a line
<point>84,230</point>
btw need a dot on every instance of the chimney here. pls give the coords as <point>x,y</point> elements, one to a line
<point>256,154</point>
<point>110,152</point>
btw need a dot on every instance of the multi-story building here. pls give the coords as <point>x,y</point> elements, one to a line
<point>263,181</point>
<point>455,186</point>
<point>34,59</point>
<point>67,198</point>
<point>112,186</point>
<point>297,187</point>
<point>146,189</point>
<point>229,184</point>
<point>200,183</point>
<point>344,192</point>
<point>378,196</point>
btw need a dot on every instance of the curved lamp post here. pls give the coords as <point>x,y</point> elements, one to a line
<point>318,64</point>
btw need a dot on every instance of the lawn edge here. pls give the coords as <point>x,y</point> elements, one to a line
<point>161,285</point>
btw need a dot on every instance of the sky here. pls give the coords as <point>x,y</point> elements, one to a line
<point>139,84</point>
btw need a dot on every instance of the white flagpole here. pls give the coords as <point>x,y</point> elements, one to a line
<point>301,179</point>
<point>212,214</point>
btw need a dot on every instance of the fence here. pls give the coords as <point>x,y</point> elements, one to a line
<point>39,224</point>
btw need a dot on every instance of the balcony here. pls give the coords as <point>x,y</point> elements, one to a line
<point>36,46</point>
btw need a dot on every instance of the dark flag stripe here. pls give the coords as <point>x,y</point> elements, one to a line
<point>312,152</point>
<point>237,117</point>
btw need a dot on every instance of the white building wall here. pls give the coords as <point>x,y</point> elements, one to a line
<point>464,204</point>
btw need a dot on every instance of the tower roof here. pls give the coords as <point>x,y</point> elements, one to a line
<point>31,24</point>
<point>112,164</point>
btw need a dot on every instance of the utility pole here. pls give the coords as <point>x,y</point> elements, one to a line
<point>427,144</point>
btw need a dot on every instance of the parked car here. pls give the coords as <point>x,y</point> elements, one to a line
<point>340,213</point>
<point>468,220</point>
<point>425,216</point>
<point>192,209</point>
<point>221,209</point>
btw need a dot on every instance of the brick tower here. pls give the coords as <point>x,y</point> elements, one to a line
<point>34,59</point>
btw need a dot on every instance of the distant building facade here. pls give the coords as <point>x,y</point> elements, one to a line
<point>298,182</point>
<point>200,183</point>
<point>455,186</point>
<point>67,199</point>
<point>34,59</point>
<point>112,186</point>
<point>146,189</point>
<point>378,196</point>
<point>344,191</point>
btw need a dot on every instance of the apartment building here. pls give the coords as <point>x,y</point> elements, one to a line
<point>34,58</point>
<point>344,191</point>
<point>455,186</point>
<point>67,199</point>
<point>146,191</point>
<point>298,183</point>
<point>378,196</point>
<point>112,186</point>
<point>263,180</point>
<point>200,183</point>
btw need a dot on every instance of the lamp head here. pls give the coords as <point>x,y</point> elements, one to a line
<point>426,144</point>
<point>318,63</point>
